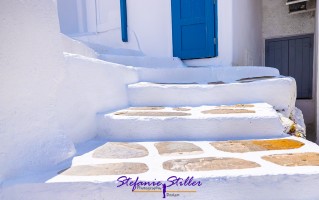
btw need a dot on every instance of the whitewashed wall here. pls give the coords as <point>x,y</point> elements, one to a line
<point>150,30</point>
<point>247,31</point>
<point>48,103</point>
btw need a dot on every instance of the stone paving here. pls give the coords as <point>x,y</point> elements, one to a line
<point>208,164</point>
<point>256,145</point>
<point>120,150</point>
<point>119,158</point>
<point>177,148</point>
<point>185,111</point>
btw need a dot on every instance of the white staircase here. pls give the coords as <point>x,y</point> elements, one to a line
<point>155,114</point>
<point>191,123</point>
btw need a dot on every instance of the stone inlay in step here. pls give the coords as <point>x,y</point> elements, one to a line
<point>147,108</point>
<point>153,114</point>
<point>251,79</point>
<point>294,159</point>
<point>120,150</point>
<point>227,111</point>
<point>238,106</point>
<point>177,148</point>
<point>182,109</point>
<point>106,169</point>
<point>257,145</point>
<point>208,164</point>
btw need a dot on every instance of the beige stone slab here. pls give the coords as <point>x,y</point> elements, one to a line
<point>181,109</point>
<point>294,159</point>
<point>208,164</point>
<point>177,148</point>
<point>120,150</point>
<point>146,108</point>
<point>153,114</point>
<point>238,106</point>
<point>227,111</point>
<point>106,169</point>
<point>257,145</point>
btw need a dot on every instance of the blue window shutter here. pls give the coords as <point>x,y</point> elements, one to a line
<point>124,20</point>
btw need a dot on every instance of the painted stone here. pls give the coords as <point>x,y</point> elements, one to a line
<point>181,109</point>
<point>177,148</point>
<point>120,150</point>
<point>208,164</point>
<point>146,108</point>
<point>294,159</point>
<point>256,145</point>
<point>227,111</point>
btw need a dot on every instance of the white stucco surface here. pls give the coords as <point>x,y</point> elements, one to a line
<point>144,61</point>
<point>197,126</point>
<point>202,74</point>
<point>247,33</point>
<point>270,181</point>
<point>48,103</point>
<point>278,92</point>
<point>150,30</point>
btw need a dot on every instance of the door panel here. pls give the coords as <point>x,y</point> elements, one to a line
<point>194,28</point>
<point>293,56</point>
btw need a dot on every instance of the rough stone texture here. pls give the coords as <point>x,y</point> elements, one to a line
<point>119,150</point>
<point>106,169</point>
<point>177,148</point>
<point>153,114</point>
<point>181,109</point>
<point>146,108</point>
<point>208,164</point>
<point>227,111</point>
<point>256,145</point>
<point>294,159</point>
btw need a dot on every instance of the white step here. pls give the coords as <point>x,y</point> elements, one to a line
<point>145,124</point>
<point>202,74</point>
<point>143,61</point>
<point>278,92</point>
<point>254,178</point>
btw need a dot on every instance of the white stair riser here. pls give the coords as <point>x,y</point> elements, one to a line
<point>202,74</point>
<point>280,93</point>
<point>189,129</point>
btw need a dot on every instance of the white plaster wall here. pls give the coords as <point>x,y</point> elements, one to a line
<point>278,23</point>
<point>149,26</point>
<point>150,29</point>
<point>247,31</point>
<point>47,103</point>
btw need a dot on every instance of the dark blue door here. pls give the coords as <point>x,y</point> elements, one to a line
<point>194,28</point>
<point>293,56</point>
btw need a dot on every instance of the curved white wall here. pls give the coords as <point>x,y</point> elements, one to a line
<point>48,103</point>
